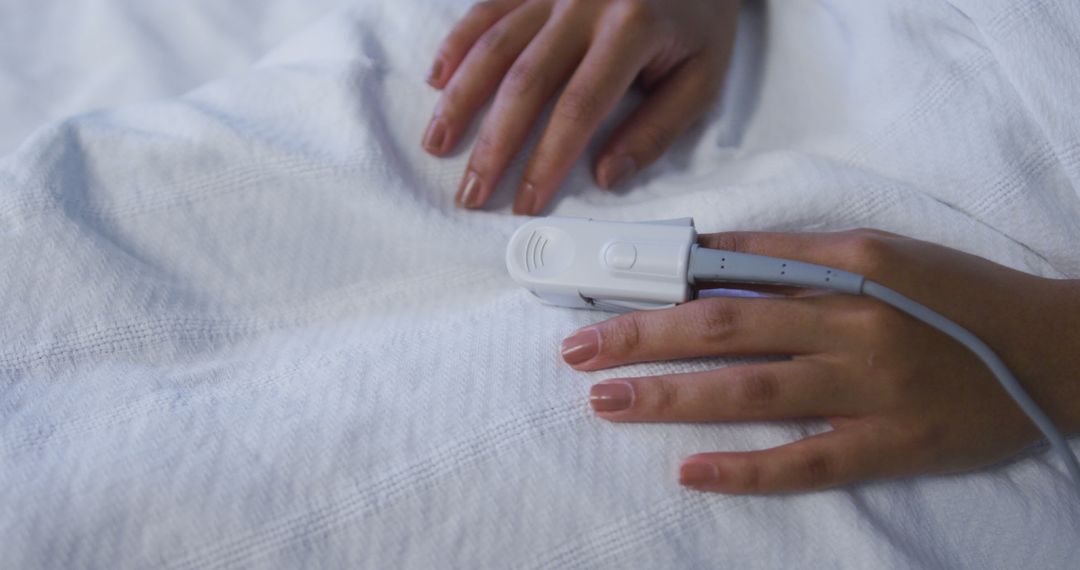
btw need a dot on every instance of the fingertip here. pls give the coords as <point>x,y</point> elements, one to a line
<point>611,397</point>
<point>453,48</point>
<point>614,170</point>
<point>470,193</point>
<point>581,347</point>
<point>526,202</point>
<point>437,137</point>
<point>698,473</point>
<point>436,77</point>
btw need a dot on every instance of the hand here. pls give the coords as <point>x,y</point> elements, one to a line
<point>524,50</point>
<point>902,398</point>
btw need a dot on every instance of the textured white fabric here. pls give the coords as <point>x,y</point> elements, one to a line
<point>246,327</point>
<point>62,57</point>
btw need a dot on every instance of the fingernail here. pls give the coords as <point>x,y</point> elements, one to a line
<point>436,72</point>
<point>616,169</point>
<point>611,397</point>
<point>436,135</point>
<point>581,346</point>
<point>697,474</point>
<point>469,195</point>
<point>525,203</point>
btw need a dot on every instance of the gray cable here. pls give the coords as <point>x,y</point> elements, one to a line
<point>731,267</point>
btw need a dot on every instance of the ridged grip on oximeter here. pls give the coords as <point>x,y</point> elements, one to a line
<point>721,266</point>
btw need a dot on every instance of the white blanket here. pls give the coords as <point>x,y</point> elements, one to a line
<point>63,57</point>
<point>246,327</point>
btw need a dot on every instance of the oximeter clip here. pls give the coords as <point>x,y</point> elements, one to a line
<point>610,266</point>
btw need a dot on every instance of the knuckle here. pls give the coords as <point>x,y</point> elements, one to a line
<point>655,138</point>
<point>747,477</point>
<point>484,10</point>
<point>623,337</point>
<point>757,389</point>
<point>816,470</point>
<point>867,252</point>
<point>495,40</point>
<point>877,323</point>
<point>717,320</point>
<point>632,14</point>
<point>666,396</point>
<point>522,79</point>
<point>487,144</point>
<point>579,105</point>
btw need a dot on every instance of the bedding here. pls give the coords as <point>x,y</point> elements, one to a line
<point>59,59</point>
<point>245,326</point>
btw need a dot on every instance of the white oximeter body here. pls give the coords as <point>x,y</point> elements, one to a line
<point>620,266</point>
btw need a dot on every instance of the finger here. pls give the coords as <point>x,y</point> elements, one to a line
<point>479,75</point>
<point>476,21</point>
<point>531,81</point>
<point>776,390</point>
<point>867,252</point>
<point>714,289</point>
<point>672,108</point>
<point>838,457</point>
<point>705,327</point>
<point>607,72</point>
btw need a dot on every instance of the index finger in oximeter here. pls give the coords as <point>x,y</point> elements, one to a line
<point>577,262</point>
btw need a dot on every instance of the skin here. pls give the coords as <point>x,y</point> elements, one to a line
<point>521,52</point>
<point>902,398</point>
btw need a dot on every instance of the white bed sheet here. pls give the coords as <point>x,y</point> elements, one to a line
<point>60,57</point>
<point>246,327</point>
